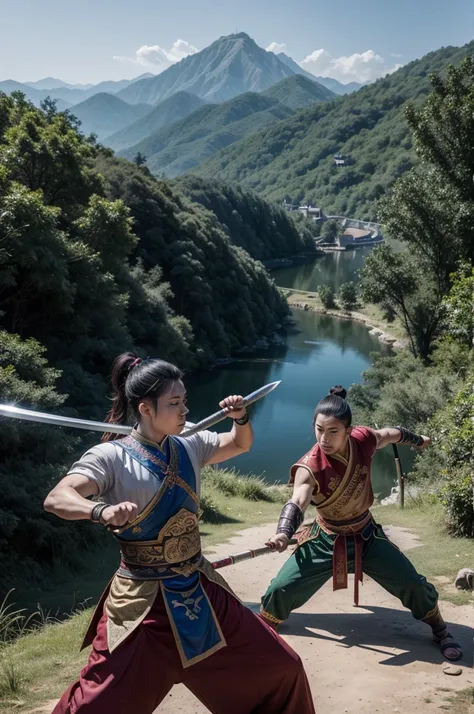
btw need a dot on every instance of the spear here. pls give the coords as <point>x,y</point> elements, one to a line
<point>8,410</point>
<point>400,476</point>
<point>245,555</point>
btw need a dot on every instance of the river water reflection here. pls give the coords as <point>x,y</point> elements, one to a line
<point>320,351</point>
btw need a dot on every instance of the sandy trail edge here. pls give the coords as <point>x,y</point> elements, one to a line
<point>372,658</point>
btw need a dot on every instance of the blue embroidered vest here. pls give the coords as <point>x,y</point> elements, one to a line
<point>163,543</point>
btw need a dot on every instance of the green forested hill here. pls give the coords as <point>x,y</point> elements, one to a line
<point>298,92</point>
<point>295,158</point>
<point>174,149</point>
<point>185,144</point>
<point>103,114</point>
<point>171,110</point>
<point>92,245</point>
<point>265,230</point>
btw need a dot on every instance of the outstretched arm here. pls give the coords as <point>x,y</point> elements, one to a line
<point>400,435</point>
<point>240,438</point>
<point>292,513</point>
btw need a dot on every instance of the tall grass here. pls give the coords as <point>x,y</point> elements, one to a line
<point>251,488</point>
<point>12,625</point>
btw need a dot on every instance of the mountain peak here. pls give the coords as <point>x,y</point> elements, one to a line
<point>236,36</point>
<point>231,65</point>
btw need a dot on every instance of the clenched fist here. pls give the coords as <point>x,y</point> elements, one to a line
<point>233,406</point>
<point>278,542</point>
<point>119,515</point>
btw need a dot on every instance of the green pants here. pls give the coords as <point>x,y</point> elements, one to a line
<point>306,571</point>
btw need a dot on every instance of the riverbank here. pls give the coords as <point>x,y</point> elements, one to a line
<point>354,647</point>
<point>390,334</point>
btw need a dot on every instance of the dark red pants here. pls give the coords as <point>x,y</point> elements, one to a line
<point>257,673</point>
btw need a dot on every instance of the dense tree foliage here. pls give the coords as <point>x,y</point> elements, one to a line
<point>327,297</point>
<point>97,257</point>
<point>431,210</point>
<point>265,231</point>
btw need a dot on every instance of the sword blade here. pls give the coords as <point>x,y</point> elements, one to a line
<point>56,420</point>
<point>222,414</point>
<point>13,412</point>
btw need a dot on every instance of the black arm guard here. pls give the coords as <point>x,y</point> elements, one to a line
<point>408,437</point>
<point>291,517</point>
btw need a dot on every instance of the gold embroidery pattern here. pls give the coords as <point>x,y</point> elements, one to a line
<point>177,541</point>
<point>353,491</point>
<point>271,618</point>
<point>333,498</point>
<point>181,537</point>
<point>333,483</point>
<point>340,572</point>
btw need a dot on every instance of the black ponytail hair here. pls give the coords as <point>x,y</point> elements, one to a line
<point>133,379</point>
<point>335,405</point>
<point>339,391</point>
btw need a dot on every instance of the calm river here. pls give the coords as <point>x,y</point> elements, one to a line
<point>320,351</point>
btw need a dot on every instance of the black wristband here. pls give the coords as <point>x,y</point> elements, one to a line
<point>243,420</point>
<point>97,511</point>
<point>409,437</point>
<point>291,518</point>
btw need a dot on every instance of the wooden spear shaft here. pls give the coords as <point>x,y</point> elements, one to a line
<point>400,476</point>
<point>245,555</point>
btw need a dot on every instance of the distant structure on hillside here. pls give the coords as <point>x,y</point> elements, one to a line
<point>312,212</point>
<point>341,160</point>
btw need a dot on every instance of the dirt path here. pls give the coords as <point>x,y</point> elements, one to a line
<point>373,658</point>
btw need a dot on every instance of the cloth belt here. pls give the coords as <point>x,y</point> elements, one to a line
<point>142,562</point>
<point>344,530</point>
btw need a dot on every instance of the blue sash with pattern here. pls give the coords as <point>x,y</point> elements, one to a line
<point>163,544</point>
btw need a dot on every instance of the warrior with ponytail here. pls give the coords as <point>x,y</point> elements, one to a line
<point>335,476</point>
<point>133,380</point>
<point>166,610</point>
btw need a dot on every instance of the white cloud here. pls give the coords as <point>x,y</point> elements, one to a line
<point>276,47</point>
<point>157,58</point>
<point>359,67</point>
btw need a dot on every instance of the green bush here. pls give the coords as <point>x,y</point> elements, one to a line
<point>348,295</point>
<point>326,295</point>
<point>457,498</point>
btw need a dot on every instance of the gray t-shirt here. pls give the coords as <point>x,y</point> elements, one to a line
<point>121,478</point>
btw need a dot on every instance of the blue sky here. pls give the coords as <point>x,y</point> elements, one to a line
<point>77,40</point>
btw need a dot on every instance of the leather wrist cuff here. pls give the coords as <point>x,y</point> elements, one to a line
<point>409,437</point>
<point>243,420</point>
<point>97,511</point>
<point>291,518</point>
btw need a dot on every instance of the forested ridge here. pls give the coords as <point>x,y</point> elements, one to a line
<point>98,257</point>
